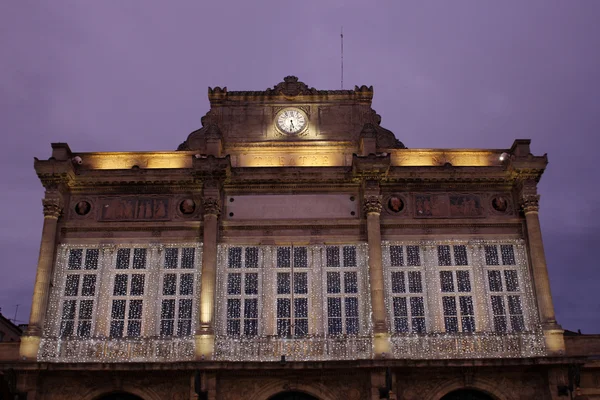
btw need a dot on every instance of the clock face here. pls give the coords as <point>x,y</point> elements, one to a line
<point>291,121</point>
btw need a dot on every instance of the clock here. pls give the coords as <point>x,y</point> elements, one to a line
<point>291,121</point>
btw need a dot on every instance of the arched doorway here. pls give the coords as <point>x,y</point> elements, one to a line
<point>292,396</point>
<point>120,396</point>
<point>466,394</point>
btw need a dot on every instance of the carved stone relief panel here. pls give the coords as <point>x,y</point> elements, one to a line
<point>428,205</point>
<point>134,208</point>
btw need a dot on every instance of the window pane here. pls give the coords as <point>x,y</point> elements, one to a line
<point>500,323</point>
<point>444,255</point>
<point>451,324</point>
<point>396,256</point>
<point>167,310</point>
<point>466,305</point>
<point>116,328</point>
<point>495,280</point>
<point>72,285</point>
<point>166,327</point>
<point>284,257</point>
<point>187,257</point>
<point>135,309</point>
<point>137,285</point>
<point>235,257</point>
<point>349,256</point>
<point>118,309</point>
<point>169,284</point>
<point>417,307</point>
<point>233,327</point>
<point>468,324</point>
<point>283,283</point>
<point>517,322</point>
<point>401,325</point>
<point>139,258</point>
<point>514,305</point>
<point>351,306</point>
<point>334,307</point>
<point>491,255</point>
<point>398,282</point>
<point>352,326</point>
<point>68,309</point>
<point>251,257</point>
<point>400,309</point>
<point>233,308</point>
<point>300,283</point>
<point>412,255</point>
<point>350,282</point>
<point>300,257</point>
<point>334,326</point>
<point>234,284</point>
<point>84,329</point>
<point>332,254</point>
<point>134,328</point>
<point>171,257</point>
<point>283,308</point>
<point>91,259</point>
<point>185,309</point>
<point>251,283</point>
<point>447,281</point>
<point>449,305</point>
<point>460,255</point>
<point>301,308</point>
<point>186,284</point>
<point>123,258</point>
<point>508,254</point>
<point>333,282</point>
<point>120,288</point>
<point>498,305</point>
<point>301,328</point>
<point>283,327</point>
<point>251,308</point>
<point>88,287</point>
<point>418,325</point>
<point>184,327</point>
<point>414,282</point>
<point>250,327</point>
<point>75,257</point>
<point>86,309</point>
<point>512,280</point>
<point>66,328</point>
<point>464,283</point>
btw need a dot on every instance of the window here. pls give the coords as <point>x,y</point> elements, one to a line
<point>292,282</point>
<point>79,293</point>
<point>456,286</point>
<point>128,290</point>
<point>342,290</point>
<point>504,288</point>
<point>242,289</point>
<point>178,291</point>
<point>406,289</point>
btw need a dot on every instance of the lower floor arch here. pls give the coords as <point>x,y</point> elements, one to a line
<point>292,396</point>
<point>467,394</point>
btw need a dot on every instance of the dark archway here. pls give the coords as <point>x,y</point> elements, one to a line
<point>466,394</point>
<point>120,396</point>
<point>292,396</point>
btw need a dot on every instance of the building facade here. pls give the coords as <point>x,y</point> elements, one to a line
<point>292,246</point>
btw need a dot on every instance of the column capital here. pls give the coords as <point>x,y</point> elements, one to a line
<point>52,207</point>
<point>530,203</point>
<point>212,206</point>
<point>372,204</point>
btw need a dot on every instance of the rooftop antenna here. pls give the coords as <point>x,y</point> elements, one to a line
<point>342,39</point>
<point>16,311</point>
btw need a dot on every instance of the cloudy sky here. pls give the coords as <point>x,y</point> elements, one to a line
<point>133,75</point>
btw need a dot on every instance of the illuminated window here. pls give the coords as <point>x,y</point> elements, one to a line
<point>243,290</point>
<point>342,290</point>
<point>292,283</point>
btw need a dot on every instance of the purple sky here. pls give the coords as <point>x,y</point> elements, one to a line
<point>133,75</point>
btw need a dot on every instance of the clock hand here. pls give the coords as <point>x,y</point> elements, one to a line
<point>291,124</point>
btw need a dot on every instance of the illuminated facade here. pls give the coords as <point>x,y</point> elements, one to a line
<point>292,244</point>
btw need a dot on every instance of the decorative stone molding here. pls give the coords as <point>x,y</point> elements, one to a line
<point>372,205</point>
<point>52,207</point>
<point>530,203</point>
<point>211,206</point>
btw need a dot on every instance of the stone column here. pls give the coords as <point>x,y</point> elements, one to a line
<point>372,208</point>
<point>205,336</point>
<point>30,342</point>
<point>553,332</point>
